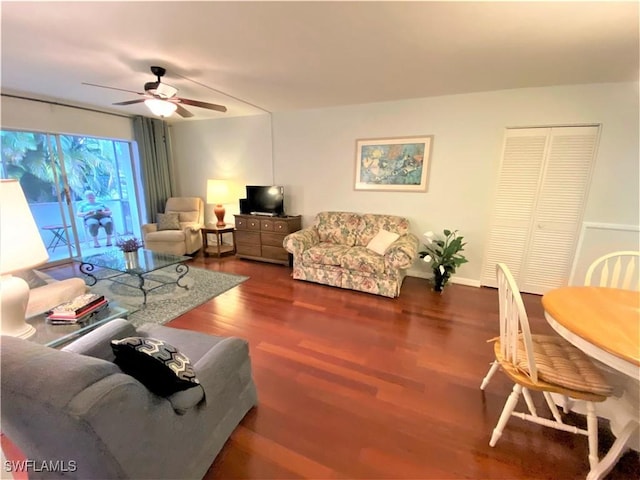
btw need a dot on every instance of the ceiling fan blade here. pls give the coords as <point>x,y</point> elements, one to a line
<point>130,102</point>
<point>183,112</point>
<point>210,106</point>
<point>112,88</point>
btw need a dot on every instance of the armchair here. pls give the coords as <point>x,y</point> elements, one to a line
<point>183,238</point>
<point>77,405</point>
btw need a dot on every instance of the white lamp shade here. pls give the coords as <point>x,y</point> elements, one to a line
<point>21,246</point>
<point>218,192</point>
<point>162,108</point>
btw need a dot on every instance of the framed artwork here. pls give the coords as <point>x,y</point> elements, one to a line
<point>393,164</point>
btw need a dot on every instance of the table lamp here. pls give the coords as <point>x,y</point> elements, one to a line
<point>21,248</point>
<point>218,194</point>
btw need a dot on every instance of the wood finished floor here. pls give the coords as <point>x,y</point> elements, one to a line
<point>356,386</point>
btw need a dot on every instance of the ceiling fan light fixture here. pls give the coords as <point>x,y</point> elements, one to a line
<point>161,108</point>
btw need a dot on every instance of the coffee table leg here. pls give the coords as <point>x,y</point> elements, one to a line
<point>87,268</point>
<point>141,288</point>
<point>182,270</point>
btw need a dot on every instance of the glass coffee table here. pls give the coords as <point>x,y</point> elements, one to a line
<point>58,335</point>
<point>147,261</point>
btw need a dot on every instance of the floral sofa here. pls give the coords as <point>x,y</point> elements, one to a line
<point>337,251</point>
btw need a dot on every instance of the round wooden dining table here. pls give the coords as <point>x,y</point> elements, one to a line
<point>605,324</point>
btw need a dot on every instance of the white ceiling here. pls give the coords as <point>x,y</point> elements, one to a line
<point>282,56</point>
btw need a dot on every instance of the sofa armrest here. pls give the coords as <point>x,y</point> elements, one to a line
<point>191,227</point>
<point>298,242</point>
<point>48,296</point>
<point>192,236</point>
<point>403,252</point>
<point>148,228</point>
<point>97,343</point>
<point>222,362</point>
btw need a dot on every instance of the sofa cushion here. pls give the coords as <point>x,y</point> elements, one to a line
<point>382,241</point>
<point>340,228</point>
<point>189,217</point>
<point>155,363</point>
<point>324,254</point>
<point>172,236</point>
<point>188,208</point>
<point>363,260</point>
<point>168,221</point>
<point>373,223</point>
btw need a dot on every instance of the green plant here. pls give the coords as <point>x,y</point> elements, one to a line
<point>129,244</point>
<point>443,255</point>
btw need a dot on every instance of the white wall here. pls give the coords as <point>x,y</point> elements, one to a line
<point>314,156</point>
<point>237,149</point>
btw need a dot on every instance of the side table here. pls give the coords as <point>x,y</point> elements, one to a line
<point>58,236</point>
<point>219,248</point>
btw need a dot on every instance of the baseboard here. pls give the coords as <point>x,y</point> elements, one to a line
<point>470,282</point>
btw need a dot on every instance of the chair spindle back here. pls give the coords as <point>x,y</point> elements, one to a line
<point>615,270</point>
<point>514,323</point>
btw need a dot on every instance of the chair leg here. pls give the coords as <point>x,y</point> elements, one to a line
<point>492,370</point>
<point>567,405</point>
<point>592,430</point>
<point>529,401</point>
<point>509,406</point>
<point>552,406</point>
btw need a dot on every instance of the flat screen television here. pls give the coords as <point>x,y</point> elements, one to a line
<point>265,200</point>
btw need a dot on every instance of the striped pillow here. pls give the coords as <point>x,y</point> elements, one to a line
<point>564,365</point>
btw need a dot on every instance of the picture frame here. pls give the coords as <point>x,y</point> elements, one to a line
<point>398,164</point>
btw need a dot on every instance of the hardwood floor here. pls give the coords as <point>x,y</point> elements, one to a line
<point>356,386</point>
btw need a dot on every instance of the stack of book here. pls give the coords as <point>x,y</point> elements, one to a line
<point>77,310</point>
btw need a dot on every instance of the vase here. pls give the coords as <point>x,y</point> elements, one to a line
<point>439,280</point>
<point>131,259</point>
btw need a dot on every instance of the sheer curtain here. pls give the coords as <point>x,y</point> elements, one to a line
<point>156,163</point>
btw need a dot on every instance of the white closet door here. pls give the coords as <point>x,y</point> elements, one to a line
<point>561,199</point>
<point>519,179</point>
<point>542,188</point>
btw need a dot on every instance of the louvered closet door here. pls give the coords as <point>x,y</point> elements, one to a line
<point>543,183</point>
<point>561,200</point>
<point>518,182</point>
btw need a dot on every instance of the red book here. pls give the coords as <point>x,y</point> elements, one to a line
<point>77,306</point>
<point>73,318</point>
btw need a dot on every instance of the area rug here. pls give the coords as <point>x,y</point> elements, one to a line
<point>168,301</point>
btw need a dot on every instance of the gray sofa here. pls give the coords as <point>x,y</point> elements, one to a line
<point>77,405</point>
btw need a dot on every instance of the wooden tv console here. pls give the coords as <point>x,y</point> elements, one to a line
<point>260,238</point>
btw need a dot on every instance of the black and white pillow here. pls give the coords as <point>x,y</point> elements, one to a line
<point>155,363</point>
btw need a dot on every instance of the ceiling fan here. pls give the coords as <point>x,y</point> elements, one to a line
<point>161,98</point>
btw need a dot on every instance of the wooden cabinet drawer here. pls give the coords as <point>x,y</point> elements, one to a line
<point>244,236</point>
<point>272,239</point>
<point>266,225</point>
<point>247,223</point>
<point>246,249</point>
<point>241,223</point>
<point>276,253</point>
<point>253,224</point>
<point>281,226</point>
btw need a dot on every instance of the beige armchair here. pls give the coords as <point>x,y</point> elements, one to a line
<point>182,239</point>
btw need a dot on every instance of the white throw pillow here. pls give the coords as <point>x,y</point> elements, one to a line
<point>382,241</point>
